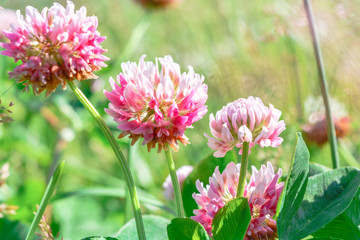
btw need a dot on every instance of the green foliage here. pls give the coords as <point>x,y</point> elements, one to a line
<point>315,168</point>
<point>13,230</point>
<point>186,229</point>
<point>45,200</point>
<point>295,186</point>
<point>346,225</point>
<point>103,191</point>
<point>99,238</point>
<point>340,228</point>
<point>202,171</point>
<point>327,195</point>
<point>82,217</point>
<point>232,221</point>
<point>155,228</point>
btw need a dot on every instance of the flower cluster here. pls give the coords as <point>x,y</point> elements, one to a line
<point>245,120</point>
<point>55,46</point>
<point>263,192</point>
<point>158,3</point>
<point>7,17</point>
<point>157,106</point>
<point>315,131</point>
<point>182,173</point>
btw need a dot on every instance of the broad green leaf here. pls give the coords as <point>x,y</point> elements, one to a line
<point>341,227</point>
<point>315,168</point>
<point>346,225</point>
<point>327,196</point>
<point>186,229</point>
<point>232,221</point>
<point>295,186</point>
<point>353,211</point>
<point>324,238</point>
<point>155,229</point>
<point>202,171</point>
<point>99,238</point>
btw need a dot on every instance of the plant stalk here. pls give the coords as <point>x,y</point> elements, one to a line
<point>119,155</point>
<point>323,85</point>
<point>175,182</point>
<point>242,176</point>
<point>45,200</point>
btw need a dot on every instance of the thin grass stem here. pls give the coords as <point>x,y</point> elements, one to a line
<point>323,85</point>
<point>45,200</point>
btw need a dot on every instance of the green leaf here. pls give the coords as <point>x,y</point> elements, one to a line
<point>353,211</point>
<point>327,196</point>
<point>202,171</point>
<point>326,238</point>
<point>315,168</point>
<point>232,221</point>
<point>346,225</point>
<point>340,228</point>
<point>186,229</point>
<point>99,238</point>
<point>295,186</point>
<point>155,229</point>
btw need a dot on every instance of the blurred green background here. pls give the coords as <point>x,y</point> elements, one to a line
<point>255,48</point>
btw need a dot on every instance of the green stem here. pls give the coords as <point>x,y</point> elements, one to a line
<point>128,212</point>
<point>44,201</point>
<point>242,176</point>
<point>119,155</point>
<point>175,182</point>
<point>323,85</point>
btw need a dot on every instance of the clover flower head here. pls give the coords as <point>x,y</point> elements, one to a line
<point>182,173</point>
<point>156,105</point>
<point>55,45</point>
<point>315,131</point>
<point>262,191</point>
<point>158,3</point>
<point>245,120</point>
<point>7,17</point>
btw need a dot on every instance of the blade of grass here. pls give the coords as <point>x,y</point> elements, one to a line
<point>45,200</point>
<point>323,85</point>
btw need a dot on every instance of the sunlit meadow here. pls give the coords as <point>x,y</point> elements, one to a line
<point>235,50</point>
